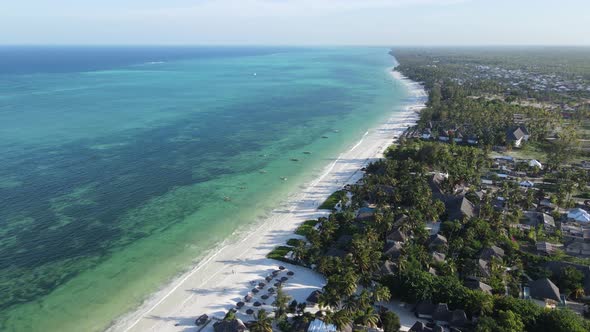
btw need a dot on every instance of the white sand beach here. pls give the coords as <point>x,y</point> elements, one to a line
<point>224,277</point>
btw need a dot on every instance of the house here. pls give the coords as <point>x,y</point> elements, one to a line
<point>438,257</point>
<point>547,248</point>
<point>516,136</point>
<point>475,284</point>
<point>437,242</point>
<point>234,325</point>
<point>421,327</point>
<point>547,203</point>
<point>397,236</point>
<point>443,316</point>
<point>483,268</point>
<point>548,222</point>
<point>573,231</point>
<point>535,164</point>
<point>393,249</point>
<point>386,269</point>
<point>424,309</point>
<point>578,248</point>
<point>579,215</point>
<point>436,184</point>
<point>542,290</point>
<point>536,219</point>
<point>443,136</point>
<point>460,208</point>
<point>490,252</point>
<point>458,137</point>
<point>526,184</point>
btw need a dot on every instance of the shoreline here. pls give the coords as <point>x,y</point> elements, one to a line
<point>223,275</point>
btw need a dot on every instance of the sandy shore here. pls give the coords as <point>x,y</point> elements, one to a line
<point>225,277</point>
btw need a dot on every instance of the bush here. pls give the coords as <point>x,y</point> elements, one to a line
<point>279,253</point>
<point>331,202</point>
<point>305,228</point>
<point>390,322</point>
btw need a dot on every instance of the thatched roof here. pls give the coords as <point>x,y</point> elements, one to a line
<point>234,325</point>
<point>544,289</point>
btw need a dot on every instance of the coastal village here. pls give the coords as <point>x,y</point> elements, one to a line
<point>456,229</point>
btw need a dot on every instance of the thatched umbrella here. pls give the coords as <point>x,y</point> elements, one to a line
<point>275,272</point>
<point>271,290</point>
<point>257,304</point>
<point>240,304</point>
<point>268,279</point>
<point>290,273</point>
<point>277,284</point>
<point>249,311</point>
<point>281,267</point>
<point>261,285</point>
<point>254,290</point>
<point>264,297</point>
<point>284,279</point>
<point>248,298</point>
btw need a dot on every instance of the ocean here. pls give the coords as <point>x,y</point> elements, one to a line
<point>121,166</point>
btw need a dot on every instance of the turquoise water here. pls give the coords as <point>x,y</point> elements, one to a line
<point>115,170</point>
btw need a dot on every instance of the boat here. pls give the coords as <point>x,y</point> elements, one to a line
<point>294,159</point>
<point>324,136</point>
<point>284,178</point>
<point>306,152</point>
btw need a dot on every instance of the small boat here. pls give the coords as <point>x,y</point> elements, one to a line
<point>284,178</point>
<point>336,131</point>
<point>226,198</point>
<point>306,152</point>
<point>324,136</point>
<point>294,159</point>
<point>262,171</point>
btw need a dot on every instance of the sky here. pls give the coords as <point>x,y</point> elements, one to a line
<point>296,22</point>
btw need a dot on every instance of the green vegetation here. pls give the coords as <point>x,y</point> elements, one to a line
<point>306,227</point>
<point>279,253</point>
<point>331,202</point>
<point>379,244</point>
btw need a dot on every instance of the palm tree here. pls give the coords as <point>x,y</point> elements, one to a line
<point>341,319</point>
<point>263,322</point>
<point>369,318</point>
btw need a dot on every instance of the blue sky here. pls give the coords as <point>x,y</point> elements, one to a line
<point>296,22</point>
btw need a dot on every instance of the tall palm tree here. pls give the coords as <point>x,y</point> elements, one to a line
<point>263,322</point>
<point>369,318</point>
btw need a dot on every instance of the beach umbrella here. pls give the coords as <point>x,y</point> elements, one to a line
<point>284,279</point>
<point>254,290</point>
<point>257,304</point>
<point>249,311</point>
<point>290,273</point>
<point>240,304</point>
<point>248,298</point>
<point>271,290</point>
<point>281,267</point>
<point>261,285</point>
<point>275,272</point>
<point>277,284</point>
<point>264,297</point>
<point>268,279</point>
